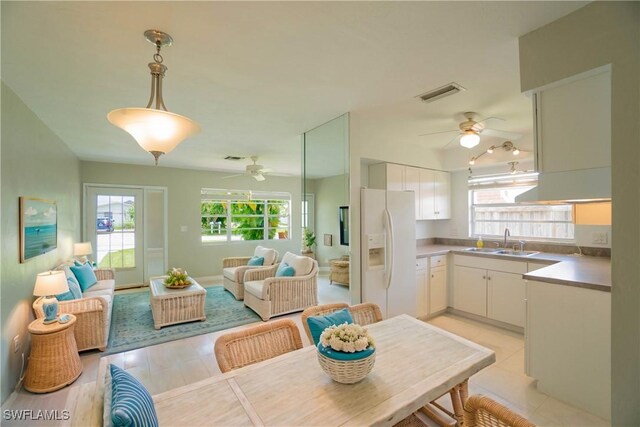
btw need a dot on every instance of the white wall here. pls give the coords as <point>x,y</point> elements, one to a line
<point>598,34</point>
<point>35,163</point>
<point>186,248</point>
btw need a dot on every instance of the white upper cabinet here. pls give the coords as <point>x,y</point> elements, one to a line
<point>573,123</point>
<point>432,188</point>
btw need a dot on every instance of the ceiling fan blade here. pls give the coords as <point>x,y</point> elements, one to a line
<point>501,134</point>
<point>491,118</point>
<point>232,176</point>
<point>436,133</point>
<point>448,143</point>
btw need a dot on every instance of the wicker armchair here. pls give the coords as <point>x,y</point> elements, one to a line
<point>93,314</point>
<point>255,344</point>
<point>271,296</point>
<point>363,314</point>
<point>481,411</point>
<point>233,269</point>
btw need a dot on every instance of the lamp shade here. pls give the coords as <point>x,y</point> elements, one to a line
<point>50,283</point>
<point>470,139</point>
<point>82,249</point>
<point>154,130</point>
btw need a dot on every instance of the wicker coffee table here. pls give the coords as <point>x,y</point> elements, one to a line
<point>171,306</point>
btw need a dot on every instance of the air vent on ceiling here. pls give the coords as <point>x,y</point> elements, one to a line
<point>441,92</point>
<point>233,158</point>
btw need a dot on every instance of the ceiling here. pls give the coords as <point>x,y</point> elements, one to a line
<point>256,75</point>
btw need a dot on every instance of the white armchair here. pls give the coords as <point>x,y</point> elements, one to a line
<point>270,296</point>
<point>233,269</point>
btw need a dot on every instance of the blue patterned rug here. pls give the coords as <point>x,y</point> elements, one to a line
<point>132,322</point>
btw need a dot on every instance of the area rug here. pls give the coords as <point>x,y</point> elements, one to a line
<point>132,322</point>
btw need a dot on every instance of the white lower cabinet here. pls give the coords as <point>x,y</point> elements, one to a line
<point>422,287</point>
<point>506,297</point>
<point>470,293</point>
<point>490,288</point>
<point>437,289</point>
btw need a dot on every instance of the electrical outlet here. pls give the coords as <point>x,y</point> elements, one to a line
<point>599,238</point>
<point>17,344</point>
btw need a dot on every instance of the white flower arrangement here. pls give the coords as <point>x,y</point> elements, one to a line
<point>348,337</point>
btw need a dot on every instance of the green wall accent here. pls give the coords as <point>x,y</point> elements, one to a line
<point>185,248</point>
<point>35,163</point>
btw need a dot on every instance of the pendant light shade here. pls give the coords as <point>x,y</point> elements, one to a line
<point>156,130</point>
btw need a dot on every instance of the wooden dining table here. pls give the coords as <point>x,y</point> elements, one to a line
<point>415,364</point>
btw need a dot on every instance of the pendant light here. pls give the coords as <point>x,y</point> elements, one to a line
<point>155,129</point>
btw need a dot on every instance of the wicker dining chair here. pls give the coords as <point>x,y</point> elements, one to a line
<point>482,411</point>
<point>255,344</point>
<point>362,314</point>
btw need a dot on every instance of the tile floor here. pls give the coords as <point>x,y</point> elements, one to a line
<point>158,368</point>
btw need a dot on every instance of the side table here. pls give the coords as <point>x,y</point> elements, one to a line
<point>54,361</point>
<point>339,272</point>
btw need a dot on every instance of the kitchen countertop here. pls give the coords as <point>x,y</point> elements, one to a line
<point>571,270</point>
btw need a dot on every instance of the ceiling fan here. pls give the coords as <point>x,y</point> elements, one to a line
<point>254,170</point>
<point>471,129</point>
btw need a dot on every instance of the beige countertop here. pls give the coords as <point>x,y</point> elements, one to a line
<point>571,270</point>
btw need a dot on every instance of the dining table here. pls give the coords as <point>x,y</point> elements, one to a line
<point>415,363</point>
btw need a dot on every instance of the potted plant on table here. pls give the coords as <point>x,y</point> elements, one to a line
<point>308,242</point>
<point>346,352</point>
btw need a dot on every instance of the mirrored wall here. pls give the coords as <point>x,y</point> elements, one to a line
<point>325,188</point>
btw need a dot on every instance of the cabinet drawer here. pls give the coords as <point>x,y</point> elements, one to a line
<point>438,260</point>
<point>421,263</point>
<point>491,263</point>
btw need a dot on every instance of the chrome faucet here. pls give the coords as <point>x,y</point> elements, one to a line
<point>506,234</point>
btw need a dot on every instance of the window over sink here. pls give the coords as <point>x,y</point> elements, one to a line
<point>492,208</point>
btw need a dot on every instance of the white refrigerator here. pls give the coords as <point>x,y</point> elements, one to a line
<point>388,240</point>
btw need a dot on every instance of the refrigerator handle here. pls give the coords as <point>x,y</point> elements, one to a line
<point>390,248</point>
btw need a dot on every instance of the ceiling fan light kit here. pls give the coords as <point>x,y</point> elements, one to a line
<point>469,139</point>
<point>154,128</point>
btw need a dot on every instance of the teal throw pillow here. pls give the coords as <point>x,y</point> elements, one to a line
<point>285,270</point>
<point>85,275</point>
<point>256,260</point>
<point>131,404</point>
<point>74,291</point>
<point>341,355</point>
<point>317,324</point>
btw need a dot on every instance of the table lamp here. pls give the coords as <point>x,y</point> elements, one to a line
<point>82,250</point>
<point>48,285</point>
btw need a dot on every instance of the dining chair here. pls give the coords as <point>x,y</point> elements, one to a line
<point>482,411</point>
<point>255,344</point>
<point>362,314</point>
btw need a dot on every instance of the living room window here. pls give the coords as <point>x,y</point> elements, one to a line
<point>493,208</point>
<point>237,215</point>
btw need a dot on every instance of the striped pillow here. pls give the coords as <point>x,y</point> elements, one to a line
<point>131,404</point>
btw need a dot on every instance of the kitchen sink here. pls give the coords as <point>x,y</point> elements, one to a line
<point>498,251</point>
<point>515,252</point>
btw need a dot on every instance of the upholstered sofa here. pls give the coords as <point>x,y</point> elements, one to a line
<point>233,269</point>
<point>270,296</point>
<point>93,310</point>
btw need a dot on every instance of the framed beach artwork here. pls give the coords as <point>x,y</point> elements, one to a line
<point>38,227</point>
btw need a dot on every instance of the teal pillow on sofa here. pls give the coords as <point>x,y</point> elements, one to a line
<point>74,291</point>
<point>285,270</point>
<point>85,275</point>
<point>256,260</point>
<point>317,324</point>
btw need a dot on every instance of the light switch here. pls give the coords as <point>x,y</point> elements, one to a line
<point>183,228</point>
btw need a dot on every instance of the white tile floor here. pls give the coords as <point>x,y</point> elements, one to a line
<point>169,365</point>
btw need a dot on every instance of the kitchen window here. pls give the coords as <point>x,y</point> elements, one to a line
<point>493,208</point>
<point>236,215</point>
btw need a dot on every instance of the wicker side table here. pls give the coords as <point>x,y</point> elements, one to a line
<point>339,272</point>
<point>54,361</point>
